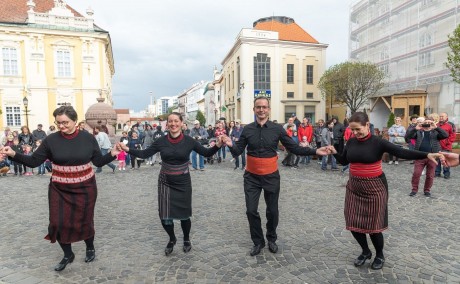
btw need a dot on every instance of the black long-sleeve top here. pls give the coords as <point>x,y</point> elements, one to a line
<point>262,141</point>
<point>174,153</point>
<point>79,150</point>
<point>371,151</point>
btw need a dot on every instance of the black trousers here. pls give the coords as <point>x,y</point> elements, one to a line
<point>253,186</point>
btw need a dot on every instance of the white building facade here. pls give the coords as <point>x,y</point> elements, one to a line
<point>277,59</point>
<point>408,40</point>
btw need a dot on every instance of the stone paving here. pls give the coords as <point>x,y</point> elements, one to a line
<point>422,244</point>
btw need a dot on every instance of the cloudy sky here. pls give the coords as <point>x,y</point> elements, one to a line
<point>163,47</point>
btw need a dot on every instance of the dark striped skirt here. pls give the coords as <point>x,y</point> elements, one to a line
<point>366,204</point>
<point>174,192</point>
<point>71,211</point>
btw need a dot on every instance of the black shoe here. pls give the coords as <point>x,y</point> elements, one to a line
<point>437,175</point>
<point>187,246</point>
<point>169,248</point>
<point>361,259</point>
<point>272,247</point>
<point>235,168</point>
<point>412,193</point>
<point>90,255</point>
<point>66,260</point>
<point>256,249</point>
<point>427,194</point>
<point>377,263</point>
<point>446,177</point>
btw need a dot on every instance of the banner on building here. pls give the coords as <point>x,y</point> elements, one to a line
<point>263,93</point>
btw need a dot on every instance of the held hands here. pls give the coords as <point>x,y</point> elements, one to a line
<point>326,150</point>
<point>450,159</point>
<point>226,140</point>
<point>120,146</point>
<point>434,156</point>
<point>7,151</point>
<point>114,152</point>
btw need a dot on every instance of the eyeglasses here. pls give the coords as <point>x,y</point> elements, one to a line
<point>63,123</point>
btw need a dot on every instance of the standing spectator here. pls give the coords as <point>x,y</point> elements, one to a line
<point>396,130</point>
<point>17,166</point>
<point>82,125</point>
<point>125,140</point>
<point>185,129</point>
<point>288,161</point>
<point>318,132</point>
<point>135,143</point>
<point>121,157</point>
<point>127,126</point>
<point>326,140</point>
<point>39,133</point>
<point>198,133</point>
<point>304,143</point>
<point>41,167</point>
<point>306,129</point>
<point>157,135</point>
<point>290,123</point>
<point>337,132</point>
<point>4,135</point>
<point>236,133</point>
<point>210,131</point>
<point>51,129</point>
<point>446,144</point>
<point>220,130</point>
<point>296,120</point>
<point>428,135</point>
<point>104,143</point>
<point>412,125</point>
<point>148,140</point>
<point>25,137</point>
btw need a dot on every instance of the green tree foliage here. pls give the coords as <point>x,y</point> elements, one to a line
<point>453,57</point>
<point>200,117</point>
<point>391,120</point>
<point>351,83</point>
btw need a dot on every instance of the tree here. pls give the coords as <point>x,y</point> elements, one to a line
<point>453,57</point>
<point>391,120</point>
<point>200,117</point>
<point>351,83</point>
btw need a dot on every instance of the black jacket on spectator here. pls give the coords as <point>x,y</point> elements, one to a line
<point>435,135</point>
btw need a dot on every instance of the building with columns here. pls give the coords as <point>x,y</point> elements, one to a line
<point>277,59</point>
<point>51,55</point>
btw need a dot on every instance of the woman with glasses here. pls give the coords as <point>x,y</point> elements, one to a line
<point>72,190</point>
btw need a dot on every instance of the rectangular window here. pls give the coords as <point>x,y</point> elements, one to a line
<point>261,72</point>
<point>290,74</point>
<point>288,111</point>
<point>310,74</point>
<point>290,95</point>
<point>13,116</point>
<point>425,59</point>
<point>10,61</point>
<point>63,63</point>
<point>309,95</point>
<point>309,112</point>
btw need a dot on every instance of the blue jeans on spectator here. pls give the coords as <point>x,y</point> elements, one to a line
<point>324,162</point>
<point>201,160</point>
<point>222,152</point>
<point>445,170</point>
<point>112,166</point>
<point>243,160</point>
<point>41,169</point>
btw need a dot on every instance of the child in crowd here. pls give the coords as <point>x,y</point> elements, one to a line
<point>41,168</point>
<point>122,160</point>
<point>28,151</point>
<point>18,149</point>
<point>303,159</point>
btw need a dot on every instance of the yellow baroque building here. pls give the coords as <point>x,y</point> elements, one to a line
<point>51,55</point>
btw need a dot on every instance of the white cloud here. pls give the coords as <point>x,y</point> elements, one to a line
<point>165,46</point>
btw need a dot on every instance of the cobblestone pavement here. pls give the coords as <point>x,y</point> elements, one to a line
<point>422,244</point>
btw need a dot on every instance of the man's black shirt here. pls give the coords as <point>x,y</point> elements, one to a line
<point>262,141</point>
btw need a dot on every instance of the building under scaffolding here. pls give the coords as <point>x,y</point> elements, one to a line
<point>408,40</point>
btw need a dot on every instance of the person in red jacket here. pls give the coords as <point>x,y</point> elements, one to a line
<point>446,144</point>
<point>305,129</point>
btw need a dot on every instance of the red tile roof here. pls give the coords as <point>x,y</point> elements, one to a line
<point>122,111</point>
<point>288,32</point>
<point>15,11</point>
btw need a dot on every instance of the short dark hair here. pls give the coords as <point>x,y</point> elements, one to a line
<point>176,114</point>
<point>359,117</point>
<point>262,98</point>
<point>69,111</point>
<point>413,116</point>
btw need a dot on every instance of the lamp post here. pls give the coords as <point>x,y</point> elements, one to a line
<point>25,101</point>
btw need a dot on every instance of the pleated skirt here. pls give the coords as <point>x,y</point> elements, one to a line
<point>366,204</point>
<point>71,211</point>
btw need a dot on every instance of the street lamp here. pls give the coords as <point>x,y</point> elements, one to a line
<point>25,101</point>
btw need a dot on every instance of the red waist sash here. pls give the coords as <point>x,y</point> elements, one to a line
<point>261,166</point>
<point>366,170</point>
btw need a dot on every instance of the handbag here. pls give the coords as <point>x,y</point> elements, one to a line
<point>399,140</point>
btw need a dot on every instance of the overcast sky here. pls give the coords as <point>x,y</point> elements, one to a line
<point>164,47</point>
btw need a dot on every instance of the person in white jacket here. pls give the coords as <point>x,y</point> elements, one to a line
<point>396,130</point>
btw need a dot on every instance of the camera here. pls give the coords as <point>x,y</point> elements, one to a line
<point>426,125</point>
